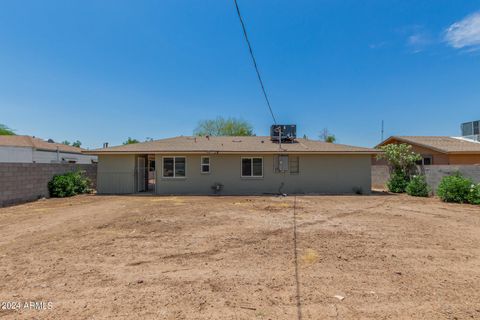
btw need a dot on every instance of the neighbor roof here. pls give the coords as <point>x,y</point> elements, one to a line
<point>36,143</point>
<point>250,144</point>
<point>439,143</point>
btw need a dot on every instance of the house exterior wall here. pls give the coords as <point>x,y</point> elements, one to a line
<point>333,174</point>
<point>458,159</point>
<point>116,174</point>
<point>40,156</point>
<point>16,154</point>
<point>29,155</point>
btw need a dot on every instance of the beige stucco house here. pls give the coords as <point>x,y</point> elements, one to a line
<point>233,165</point>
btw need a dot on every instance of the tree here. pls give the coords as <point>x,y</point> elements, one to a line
<point>401,160</point>
<point>327,136</point>
<point>224,127</point>
<point>77,144</point>
<point>65,142</point>
<point>400,157</point>
<point>131,141</point>
<point>6,131</point>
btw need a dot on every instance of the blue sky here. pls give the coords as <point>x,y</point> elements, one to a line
<point>102,71</point>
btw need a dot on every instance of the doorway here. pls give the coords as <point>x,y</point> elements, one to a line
<point>146,173</point>
<point>141,176</point>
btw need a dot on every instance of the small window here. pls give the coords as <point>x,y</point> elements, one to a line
<point>174,167</point>
<point>425,161</point>
<point>252,167</point>
<point>205,164</point>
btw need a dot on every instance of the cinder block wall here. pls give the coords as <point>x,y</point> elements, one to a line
<point>433,173</point>
<point>380,175</point>
<point>22,182</point>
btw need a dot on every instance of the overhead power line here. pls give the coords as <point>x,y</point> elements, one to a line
<point>254,62</point>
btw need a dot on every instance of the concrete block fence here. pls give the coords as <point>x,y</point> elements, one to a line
<point>433,174</point>
<point>22,182</point>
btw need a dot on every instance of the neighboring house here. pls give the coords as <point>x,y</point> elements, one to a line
<point>233,165</point>
<point>26,149</point>
<point>439,150</point>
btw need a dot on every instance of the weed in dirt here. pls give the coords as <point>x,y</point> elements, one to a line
<point>310,256</point>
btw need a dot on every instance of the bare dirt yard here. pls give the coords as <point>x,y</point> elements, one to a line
<point>150,257</point>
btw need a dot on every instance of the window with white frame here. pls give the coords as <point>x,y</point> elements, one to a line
<point>205,165</point>
<point>252,167</point>
<point>174,167</point>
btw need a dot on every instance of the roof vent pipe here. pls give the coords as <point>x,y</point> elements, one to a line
<point>105,144</point>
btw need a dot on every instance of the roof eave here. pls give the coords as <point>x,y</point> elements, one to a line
<point>464,152</point>
<point>367,152</point>
<point>59,150</point>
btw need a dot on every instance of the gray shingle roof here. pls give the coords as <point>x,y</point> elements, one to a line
<point>255,144</point>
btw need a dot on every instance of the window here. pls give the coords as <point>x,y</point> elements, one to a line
<point>151,166</point>
<point>205,165</point>
<point>425,161</point>
<point>252,167</point>
<point>294,165</point>
<point>174,167</point>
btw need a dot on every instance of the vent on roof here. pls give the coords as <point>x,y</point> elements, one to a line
<point>283,133</point>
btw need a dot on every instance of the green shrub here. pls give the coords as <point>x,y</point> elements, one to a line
<point>398,182</point>
<point>455,188</point>
<point>417,186</point>
<point>474,195</point>
<point>68,184</point>
<point>80,182</point>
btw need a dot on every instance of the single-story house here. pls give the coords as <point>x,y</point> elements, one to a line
<point>26,149</point>
<point>233,165</point>
<point>438,150</point>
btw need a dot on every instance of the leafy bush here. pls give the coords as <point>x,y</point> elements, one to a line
<point>455,188</point>
<point>398,182</point>
<point>474,195</point>
<point>68,184</point>
<point>417,186</point>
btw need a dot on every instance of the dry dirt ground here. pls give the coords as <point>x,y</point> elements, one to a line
<point>148,257</point>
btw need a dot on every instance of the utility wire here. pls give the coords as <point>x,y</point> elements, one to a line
<point>254,61</point>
